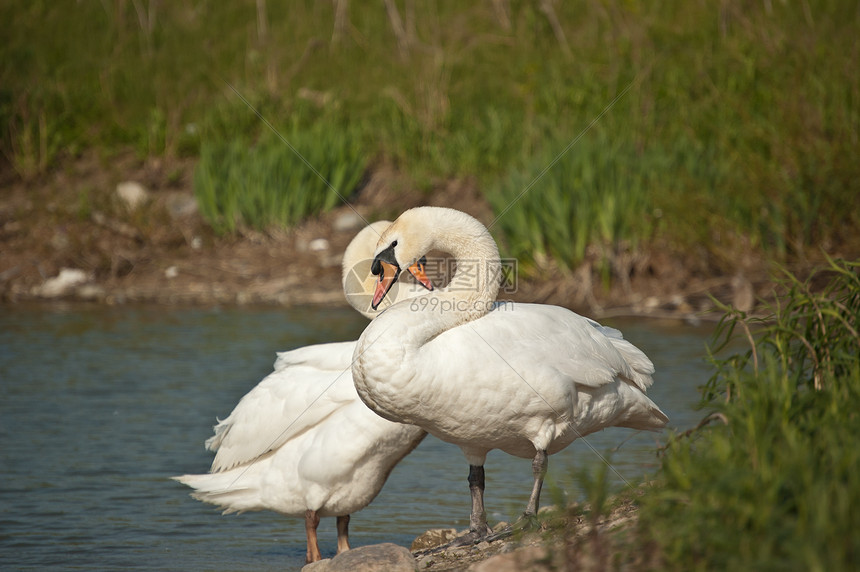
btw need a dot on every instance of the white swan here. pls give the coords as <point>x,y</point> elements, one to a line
<point>525,378</point>
<point>301,443</point>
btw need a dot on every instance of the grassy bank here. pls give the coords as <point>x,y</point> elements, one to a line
<point>594,128</point>
<point>771,485</point>
<point>275,184</point>
<point>769,479</point>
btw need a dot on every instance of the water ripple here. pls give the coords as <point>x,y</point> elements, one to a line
<point>100,406</point>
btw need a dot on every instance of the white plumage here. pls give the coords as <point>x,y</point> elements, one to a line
<point>528,379</point>
<point>301,442</point>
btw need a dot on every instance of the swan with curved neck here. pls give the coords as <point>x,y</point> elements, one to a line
<point>301,442</point>
<point>528,379</point>
<point>359,284</point>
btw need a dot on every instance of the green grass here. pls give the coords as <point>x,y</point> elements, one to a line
<point>736,133</point>
<point>774,488</point>
<point>594,202</point>
<point>270,184</point>
<point>736,123</point>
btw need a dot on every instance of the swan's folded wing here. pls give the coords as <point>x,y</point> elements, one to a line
<point>594,354</point>
<point>335,356</point>
<point>308,386</point>
<point>537,340</point>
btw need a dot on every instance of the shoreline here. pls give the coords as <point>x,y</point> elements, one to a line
<point>158,249</point>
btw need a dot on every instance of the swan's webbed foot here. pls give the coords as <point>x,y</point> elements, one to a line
<point>527,522</point>
<point>501,534</point>
<point>472,537</point>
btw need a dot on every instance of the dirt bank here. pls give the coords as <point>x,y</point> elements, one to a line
<point>154,247</point>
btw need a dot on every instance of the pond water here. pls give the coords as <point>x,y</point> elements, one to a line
<point>99,406</point>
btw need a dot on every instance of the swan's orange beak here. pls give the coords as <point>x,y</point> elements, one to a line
<point>387,277</point>
<point>418,271</point>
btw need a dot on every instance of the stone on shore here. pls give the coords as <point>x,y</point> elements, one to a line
<point>532,558</point>
<point>374,558</point>
<point>63,283</point>
<point>132,194</point>
<point>433,538</point>
<point>181,205</point>
<point>348,221</point>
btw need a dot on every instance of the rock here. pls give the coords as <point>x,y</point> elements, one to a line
<point>350,220</point>
<point>532,558</point>
<point>374,558</point>
<point>92,292</point>
<point>318,245</point>
<point>433,538</point>
<point>132,194</point>
<point>180,205</point>
<point>318,566</point>
<point>64,283</point>
<point>315,245</point>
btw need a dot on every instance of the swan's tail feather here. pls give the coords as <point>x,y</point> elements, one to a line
<point>644,415</point>
<point>214,442</point>
<point>222,490</point>
<point>640,365</point>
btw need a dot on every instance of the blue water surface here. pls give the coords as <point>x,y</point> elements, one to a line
<point>100,405</point>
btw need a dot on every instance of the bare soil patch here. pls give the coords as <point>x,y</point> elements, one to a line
<point>163,252</point>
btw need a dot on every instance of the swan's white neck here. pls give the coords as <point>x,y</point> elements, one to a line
<point>385,356</point>
<point>473,287</point>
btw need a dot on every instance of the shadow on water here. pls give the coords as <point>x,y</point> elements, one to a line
<point>99,406</point>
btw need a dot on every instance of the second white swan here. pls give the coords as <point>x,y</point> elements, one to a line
<point>301,443</point>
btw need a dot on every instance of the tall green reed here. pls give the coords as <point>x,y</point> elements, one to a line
<point>744,116</point>
<point>604,196</point>
<point>277,182</point>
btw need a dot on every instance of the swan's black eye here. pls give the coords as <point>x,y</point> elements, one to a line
<point>386,255</point>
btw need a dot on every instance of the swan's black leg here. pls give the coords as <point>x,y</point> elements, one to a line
<point>478,529</point>
<point>478,518</point>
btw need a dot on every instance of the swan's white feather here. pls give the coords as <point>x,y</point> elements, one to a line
<point>298,396</point>
<point>523,375</point>
<point>335,466</point>
<point>485,375</point>
<point>301,439</point>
